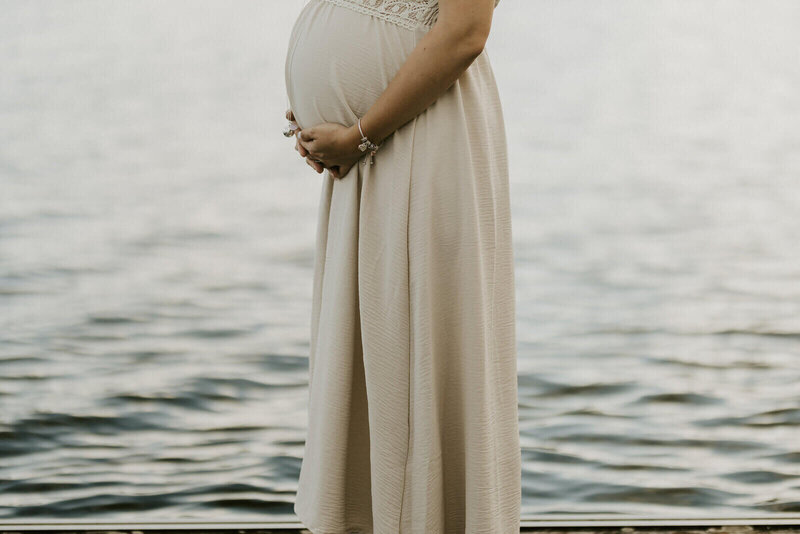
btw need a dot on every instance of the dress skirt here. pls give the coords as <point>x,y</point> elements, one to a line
<point>412,405</point>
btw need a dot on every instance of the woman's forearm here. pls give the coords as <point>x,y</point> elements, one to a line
<point>438,60</point>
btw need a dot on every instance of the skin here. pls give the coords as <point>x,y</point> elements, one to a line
<point>440,57</point>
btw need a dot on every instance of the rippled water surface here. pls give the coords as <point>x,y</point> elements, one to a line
<point>156,253</point>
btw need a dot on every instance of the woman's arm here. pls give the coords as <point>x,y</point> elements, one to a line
<point>440,57</point>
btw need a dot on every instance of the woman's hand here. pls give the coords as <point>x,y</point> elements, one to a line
<point>334,145</point>
<point>328,145</point>
<point>303,152</point>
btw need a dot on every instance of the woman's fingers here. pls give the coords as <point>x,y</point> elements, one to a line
<point>311,164</point>
<point>313,161</point>
<point>309,150</point>
<point>297,146</point>
<point>307,146</point>
<point>315,164</point>
<point>302,149</point>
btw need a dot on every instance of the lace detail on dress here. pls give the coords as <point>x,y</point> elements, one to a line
<point>409,14</point>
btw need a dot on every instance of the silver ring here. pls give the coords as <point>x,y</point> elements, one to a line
<point>290,129</point>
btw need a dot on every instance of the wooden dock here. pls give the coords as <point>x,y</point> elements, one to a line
<point>609,530</point>
<point>777,524</point>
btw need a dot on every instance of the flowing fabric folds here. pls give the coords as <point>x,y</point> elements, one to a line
<point>412,413</point>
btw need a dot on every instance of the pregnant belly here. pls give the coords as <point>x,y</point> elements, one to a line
<point>339,61</point>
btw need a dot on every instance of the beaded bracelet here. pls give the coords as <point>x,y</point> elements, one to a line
<point>366,144</point>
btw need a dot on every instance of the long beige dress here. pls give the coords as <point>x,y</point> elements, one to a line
<point>412,412</point>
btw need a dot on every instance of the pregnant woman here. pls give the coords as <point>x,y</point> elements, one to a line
<point>412,412</point>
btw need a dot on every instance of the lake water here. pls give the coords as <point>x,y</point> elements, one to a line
<point>156,256</point>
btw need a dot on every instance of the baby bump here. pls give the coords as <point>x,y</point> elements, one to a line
<point>339,61</point>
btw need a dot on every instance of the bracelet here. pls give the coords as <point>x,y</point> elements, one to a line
<point>366,144</point>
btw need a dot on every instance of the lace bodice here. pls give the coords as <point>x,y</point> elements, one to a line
<point>409,14</point>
